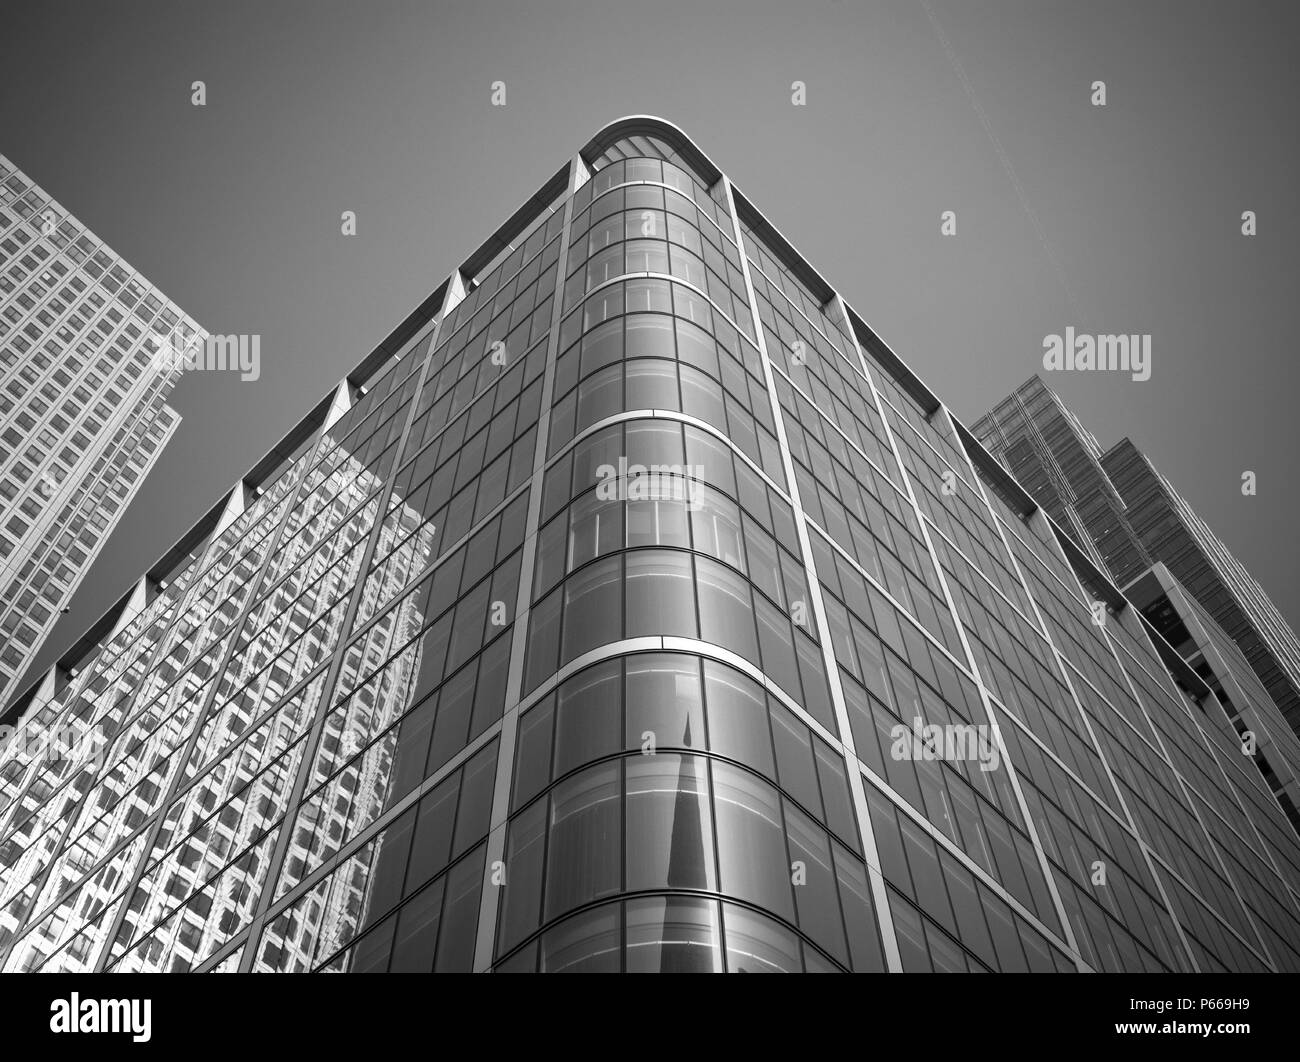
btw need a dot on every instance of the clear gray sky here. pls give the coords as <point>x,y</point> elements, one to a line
<point>1117,219</point>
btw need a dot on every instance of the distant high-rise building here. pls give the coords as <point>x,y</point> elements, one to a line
<point>83,411</point>
<point>1058,460</point>
<point>1121,509</point>
<point>633,607</point>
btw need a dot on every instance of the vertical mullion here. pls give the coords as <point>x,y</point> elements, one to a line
<point>490,898</point>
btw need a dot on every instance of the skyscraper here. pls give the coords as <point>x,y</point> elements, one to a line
<point>83,411</point>
<point>632,606</point>
<point>1118,506</point>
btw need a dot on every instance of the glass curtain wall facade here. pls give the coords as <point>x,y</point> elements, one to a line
<point>637,609</point>
<point>83,411</point>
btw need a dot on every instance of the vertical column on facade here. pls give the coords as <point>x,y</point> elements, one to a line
<point>1039,517</point>
<point>490,896</point>
<point>1067,930</point>
<point>867,837</point>
<point>234,507</point>
<point>453,292</point>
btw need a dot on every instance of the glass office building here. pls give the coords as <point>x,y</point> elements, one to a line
<point>83,411</point>
<point>1120,507</point>
<point>633,607</point>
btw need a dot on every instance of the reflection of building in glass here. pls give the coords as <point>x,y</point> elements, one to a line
<point>1128,516</point>
<point>83,410</point>
<point>253,776</point>
<point>422,695</point>
<point>375,709</point>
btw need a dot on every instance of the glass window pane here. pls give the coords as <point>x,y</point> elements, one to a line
<point>605,305</point>
<point>460,915</point>
<point>652,384</point>
<point>602,346</point>
<point>815,893</point>
<point>673,935</point>
<point>795,769</point>
<point>647,294</point>
<point>1011,957</point>
<point>550,555</point>
<point>752,861</point>
<point>523,961</point>
<point>775,639</point>
<point>947,956</point>
<point>593,607</point>
<point>543,638</point>
<point>859,913</point>
<point>726,609</point>
<point>835,793</point>
<point>715,527</point>
<point>602,448</point>
<point>649,335</point>
<point>478,778</point>
<point>372,952</point>
<point>533,759</point>
<point>596,528</point>
<point>588,716</point>
<point>586,943</point>
<point>647,256</point>
<point>585,854</point>
<point>431,848</point>
<point>702,398</point>
<point>705,452</point>
<point>521,898</point>
<point>670,840</point>
<point>600,396</point>
<point>697,348</point>
<point>812,673</point>
<point>758,945</point>
<point>909,930</point>
<point>764,568</point>
<point>417,932</point>
<point>605,265</point>
<point>654,442</point>
<point>660,595</point>
<point>970,914</point>
<point>738,725</point>
<point>662,521</point>
<point>663,700</point>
